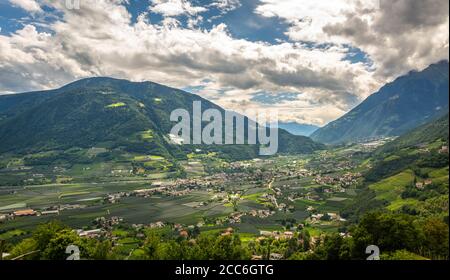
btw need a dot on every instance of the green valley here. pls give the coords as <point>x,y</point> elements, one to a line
<point>104,173</point>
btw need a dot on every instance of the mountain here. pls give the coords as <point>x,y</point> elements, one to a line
<point>415,149</point>
<point>111,113</point>
<point>436,130</point>
<point>390,183</point>
<point>396,108</point>
<point>298,128</point>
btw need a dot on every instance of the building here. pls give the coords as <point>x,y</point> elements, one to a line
<point>266,233</point>
<point>50,212</point>
<point>256,258</point>
<point>89,233</point>
<point>317,216</point>
<point>158,224</point>
<point>419,185</point>
<point>184,234</point>
<point>23,213</point>
<point>275,257</point>
<point>333,216</point>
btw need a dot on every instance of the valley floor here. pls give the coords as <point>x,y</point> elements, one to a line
<point>276,198</point>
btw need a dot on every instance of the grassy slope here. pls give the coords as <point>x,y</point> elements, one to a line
<point>96,111</point>
<point>390,188</point>
<point>395,166</point>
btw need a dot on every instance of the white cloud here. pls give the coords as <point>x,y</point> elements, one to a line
<point>398,35</point>
<point>100,39</point>
<point>226,6</point>
<point>307,18</point>
<point>28,5</point>
<point>175,7</point>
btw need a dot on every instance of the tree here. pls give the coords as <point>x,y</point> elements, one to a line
<point>56,248</point>
<point>305,239</point>
<point>38,242</point>
<point>2,248</point>
<point>152,246</point>
<point>172,250</point>
<point>330,248</point>
<point>345,252</point>
<point>94,249</point>
<point>401,255</point>
<point>194,232</point>
<point>228,247</point>
<point>300,256</point>
<point>292,247</point>
<point>46,232</point>
<point>325,217</point>
<point>436,241</point>
<point>388,231</point>
<point>26,246</point>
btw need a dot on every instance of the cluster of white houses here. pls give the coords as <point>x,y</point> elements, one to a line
<point>277,234</point>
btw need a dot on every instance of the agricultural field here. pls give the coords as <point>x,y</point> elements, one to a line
<point>251,196</point>
<point>131,194</point>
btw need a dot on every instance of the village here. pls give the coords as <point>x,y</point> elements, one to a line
<point>272,198</point>
<point>260,199</point>
<point>225,188</point>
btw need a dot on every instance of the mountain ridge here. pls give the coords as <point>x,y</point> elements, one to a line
<point>87,112</point>
<point>407,102</point>
<point>437,129</point>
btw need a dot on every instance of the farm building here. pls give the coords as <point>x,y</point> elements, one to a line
<point>23,213</point>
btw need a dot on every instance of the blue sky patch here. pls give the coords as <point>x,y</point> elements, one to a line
<point>271,98</point>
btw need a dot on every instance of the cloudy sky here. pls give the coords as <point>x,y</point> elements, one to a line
<point>312,59</point>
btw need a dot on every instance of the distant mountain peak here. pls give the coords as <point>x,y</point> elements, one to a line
<point>407,102</point>
<point>298,128</point>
